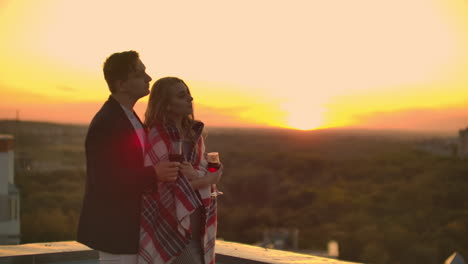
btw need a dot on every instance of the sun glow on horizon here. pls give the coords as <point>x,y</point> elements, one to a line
<point>303,114</point>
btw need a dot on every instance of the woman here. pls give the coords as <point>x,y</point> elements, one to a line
<point>178,219</point>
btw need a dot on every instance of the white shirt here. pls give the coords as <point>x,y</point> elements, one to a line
<point>141,133</point>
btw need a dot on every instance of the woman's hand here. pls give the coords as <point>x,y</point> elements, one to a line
<point>188,171</point>
<point>166,171</point>
<point>209,179</point>
<point>214,177</point>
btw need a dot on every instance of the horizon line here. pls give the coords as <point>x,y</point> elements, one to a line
<point>343,128</point>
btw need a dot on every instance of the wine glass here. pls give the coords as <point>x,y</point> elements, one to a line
<point>214,165</point>
<point>175,153</point>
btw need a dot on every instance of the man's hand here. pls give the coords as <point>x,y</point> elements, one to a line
<point>167,171</point>
<point>188,171</point>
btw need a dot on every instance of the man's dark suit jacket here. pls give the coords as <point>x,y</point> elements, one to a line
<point>116,177</point>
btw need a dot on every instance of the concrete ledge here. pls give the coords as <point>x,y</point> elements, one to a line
<point>226,253</point>
<point>46,253</point>
<point>236,253</point>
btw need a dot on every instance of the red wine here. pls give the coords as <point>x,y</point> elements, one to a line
<point>176,157</point>
<point>212,167</point>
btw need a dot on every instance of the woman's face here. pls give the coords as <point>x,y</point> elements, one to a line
<point>180,102</point>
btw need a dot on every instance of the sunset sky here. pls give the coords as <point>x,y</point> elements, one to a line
<point>389,64</point>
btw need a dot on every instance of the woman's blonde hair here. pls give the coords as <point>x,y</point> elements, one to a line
<point>158,103</point>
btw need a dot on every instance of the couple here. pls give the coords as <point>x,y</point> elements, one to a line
<point>138,206</point>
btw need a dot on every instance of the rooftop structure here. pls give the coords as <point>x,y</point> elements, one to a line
<point>9,195</point>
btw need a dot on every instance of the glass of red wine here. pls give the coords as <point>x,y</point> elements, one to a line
<point>175,153</point>
<point>213,166</point>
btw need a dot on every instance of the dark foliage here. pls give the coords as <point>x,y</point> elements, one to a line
<point>379,197</point>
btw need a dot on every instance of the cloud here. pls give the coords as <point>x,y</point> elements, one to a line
<point>74,113</point>
<point>212,116</point>
<point>83,112</point>
<point>422,119</point>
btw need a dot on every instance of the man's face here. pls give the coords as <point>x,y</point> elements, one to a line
<point>137,83</point>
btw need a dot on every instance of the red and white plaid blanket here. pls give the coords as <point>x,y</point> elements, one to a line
<point>165,217</point>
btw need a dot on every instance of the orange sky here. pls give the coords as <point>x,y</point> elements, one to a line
<point>400,64</point>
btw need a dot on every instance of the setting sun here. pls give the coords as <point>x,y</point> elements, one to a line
<point>303,115</point>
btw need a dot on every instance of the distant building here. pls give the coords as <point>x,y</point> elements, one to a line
<point>288,239</point>
<point>281,238</point>
<point>463,143</point>
<point>442,147</point>
<point>9,195</point>
<point>24,162</point>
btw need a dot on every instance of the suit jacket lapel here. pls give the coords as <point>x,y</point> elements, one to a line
<point>126,124</point>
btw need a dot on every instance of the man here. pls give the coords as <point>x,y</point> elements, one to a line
<point>116,176</point>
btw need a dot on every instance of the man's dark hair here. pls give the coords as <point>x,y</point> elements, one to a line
<point>118,66</point>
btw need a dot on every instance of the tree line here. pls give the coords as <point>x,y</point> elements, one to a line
<point>381,198</point>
